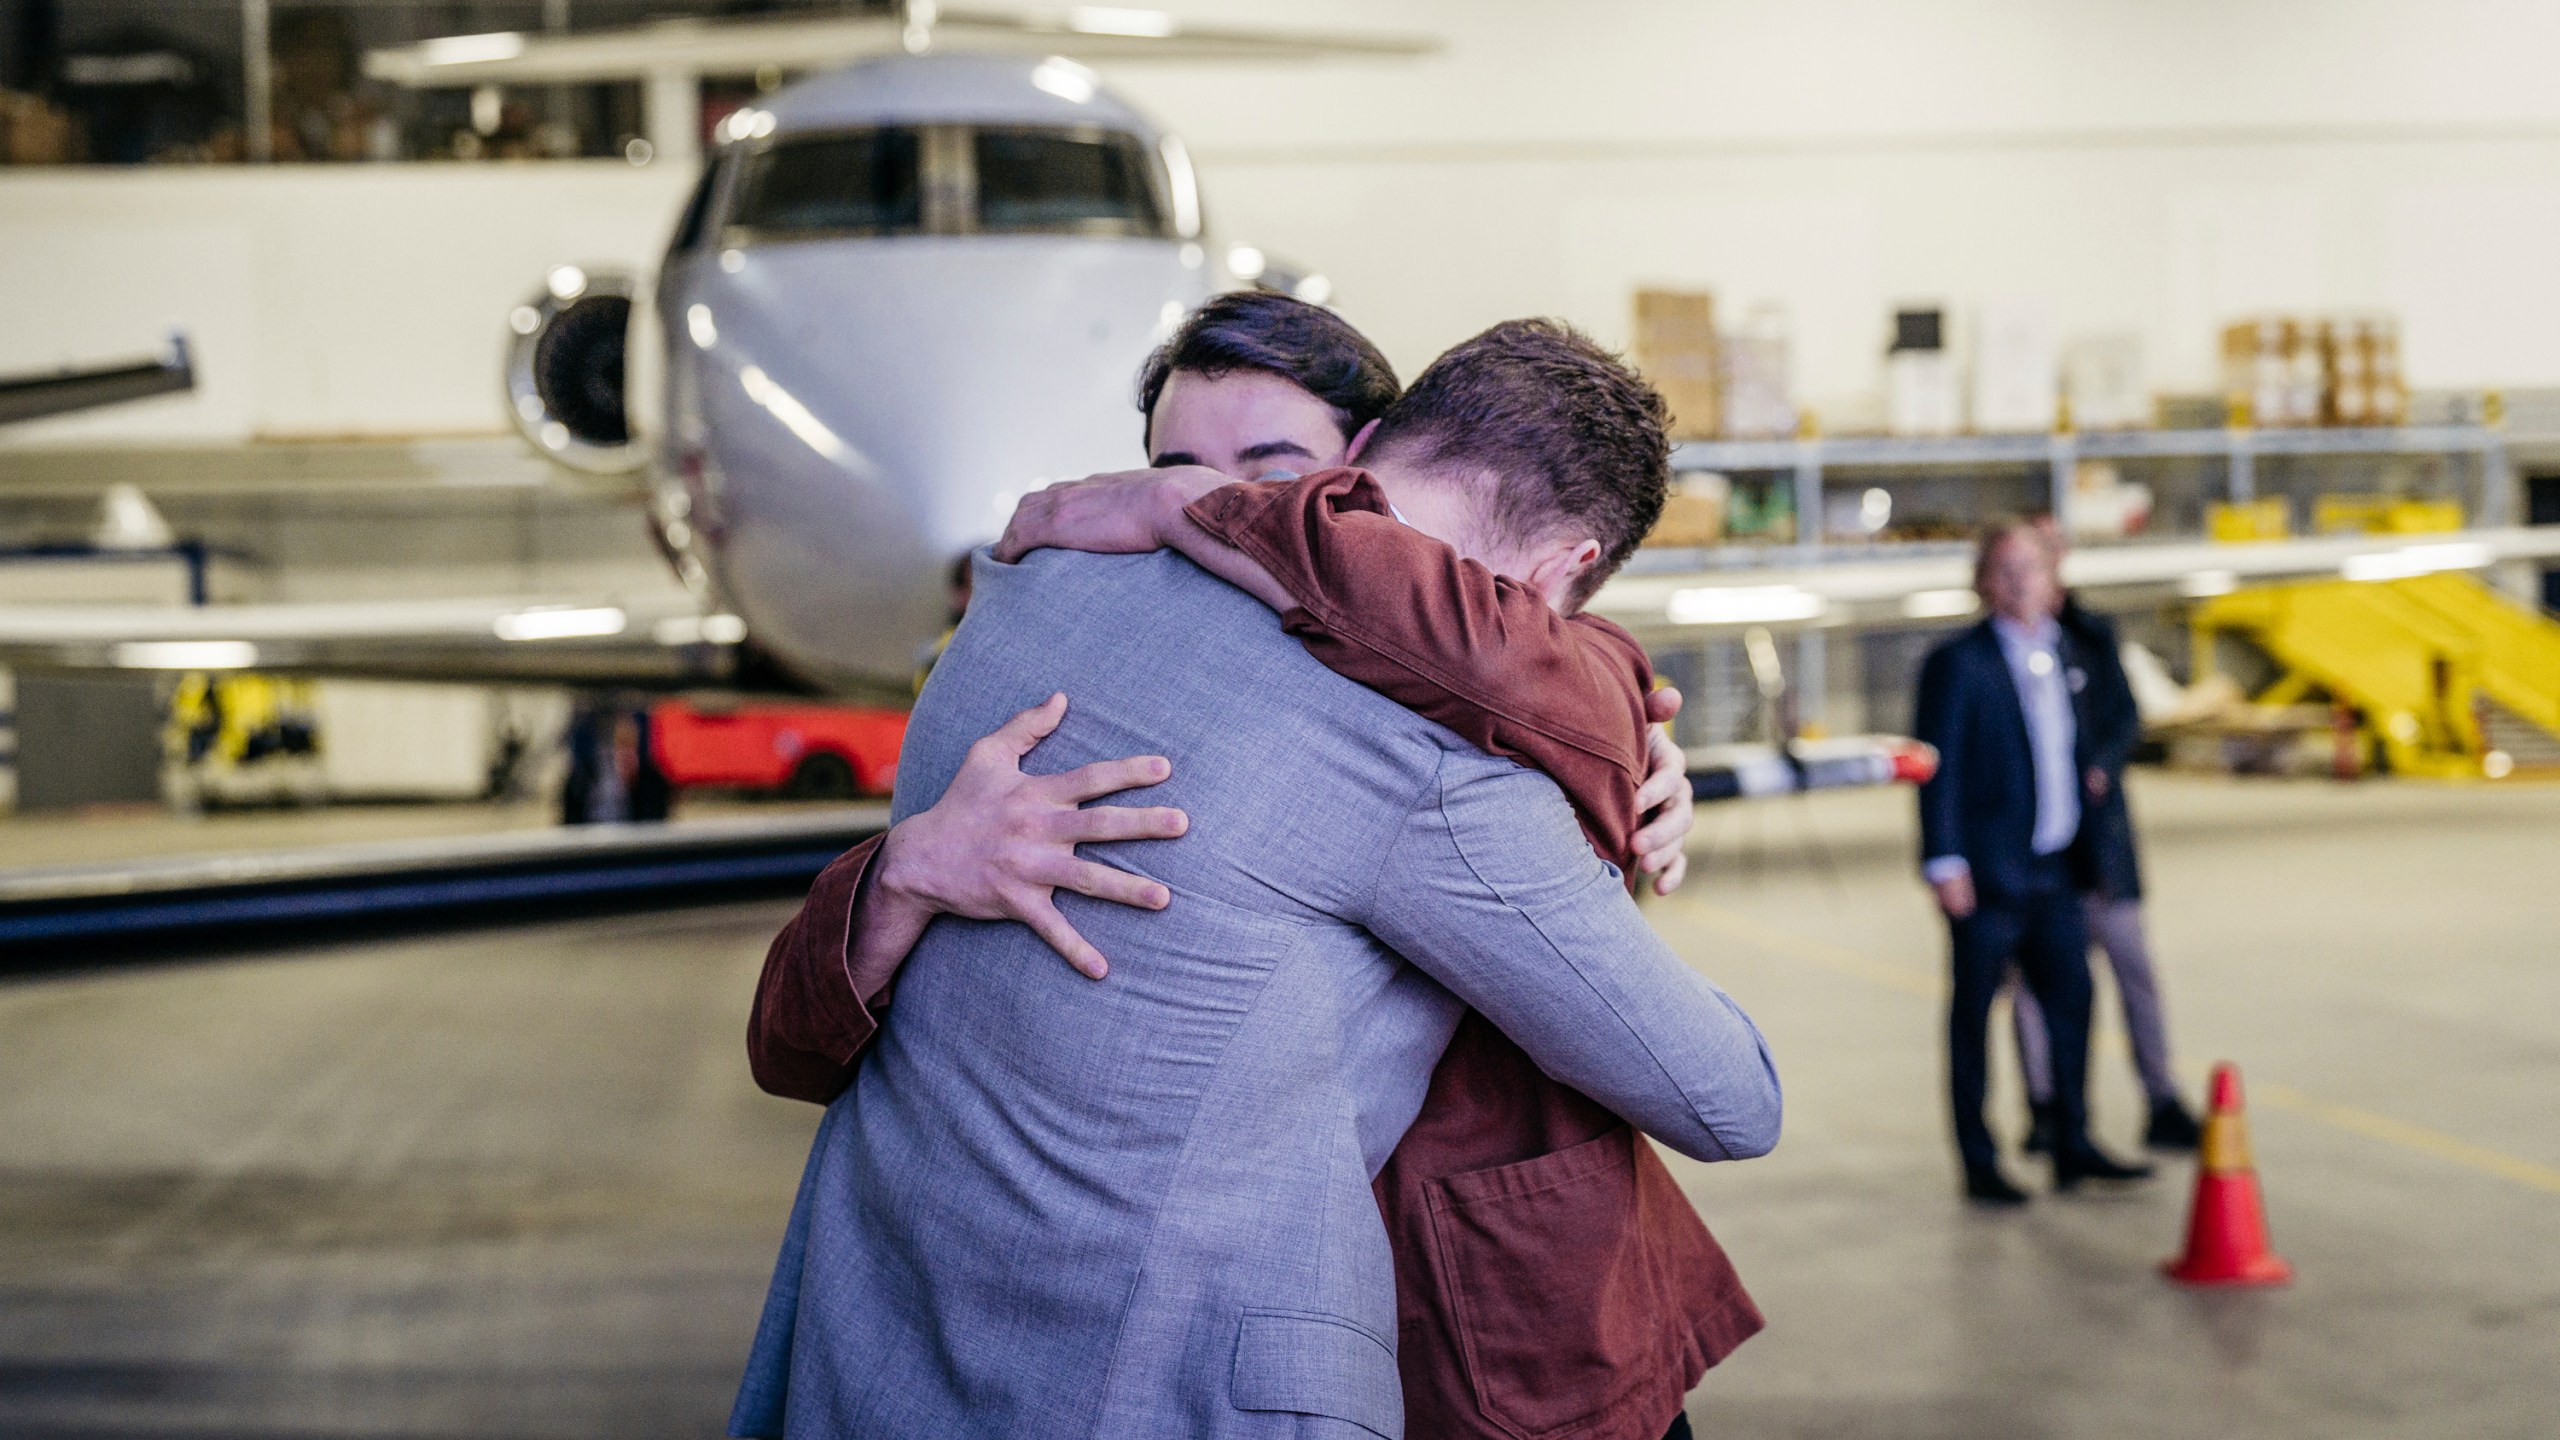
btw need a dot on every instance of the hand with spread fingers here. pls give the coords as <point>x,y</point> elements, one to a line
<point>999,844</point>
<point>1665,801</point>
<point>1122,513</point>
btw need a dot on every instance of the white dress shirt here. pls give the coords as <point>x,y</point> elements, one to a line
<point>2044,696</point>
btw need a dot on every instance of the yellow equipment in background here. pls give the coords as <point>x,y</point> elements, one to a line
<point>2383,515</point>
<point>241,738</point>
<point>2446,676</point>
<point>2238,523</point>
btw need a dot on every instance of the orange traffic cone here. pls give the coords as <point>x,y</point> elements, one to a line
<point>2227,1229</point>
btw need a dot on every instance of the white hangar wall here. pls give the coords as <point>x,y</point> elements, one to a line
<point>2155,168</point>
<point>321,301</point>
<point>2148,167</point>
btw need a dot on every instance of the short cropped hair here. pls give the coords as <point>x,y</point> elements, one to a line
<point>1306,345</point>
<point>1999,530</point>
<point>1574,437</point>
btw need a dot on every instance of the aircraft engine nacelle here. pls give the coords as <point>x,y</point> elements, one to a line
<point>568,370</point>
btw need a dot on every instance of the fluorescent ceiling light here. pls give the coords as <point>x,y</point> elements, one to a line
<point>701,630</point>
<point>699,324</point>
<point>2205,584</point>
<point>1112,20</point>
<point>1743,605</point>
<point>561,622</point>
<point>473,49</point>
<point>186,655</point>
<point>567,282</point>
<point>1246,263</point>
<point>2411,560</point>
<point>1939,604</point>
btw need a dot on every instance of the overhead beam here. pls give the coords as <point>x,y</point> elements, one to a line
<point>741,47</point>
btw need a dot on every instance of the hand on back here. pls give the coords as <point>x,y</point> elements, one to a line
<point>999,843</point>
<point>1123,513</point>
<point>1665,800</point>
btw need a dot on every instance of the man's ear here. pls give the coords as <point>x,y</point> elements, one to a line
<point>1558,567</point>
<point>1359,442</point>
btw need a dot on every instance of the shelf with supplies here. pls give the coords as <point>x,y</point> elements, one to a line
<point>1809,462</point>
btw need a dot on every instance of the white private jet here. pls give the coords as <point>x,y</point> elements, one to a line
<point>901,295</point>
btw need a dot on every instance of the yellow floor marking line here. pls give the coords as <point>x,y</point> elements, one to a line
<point>2411,1137</point>
<point>2372,1126</point>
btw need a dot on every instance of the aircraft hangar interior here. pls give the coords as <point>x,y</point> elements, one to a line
<point>520,518</point>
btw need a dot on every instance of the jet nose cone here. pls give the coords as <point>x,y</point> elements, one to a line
<point>876,407</point>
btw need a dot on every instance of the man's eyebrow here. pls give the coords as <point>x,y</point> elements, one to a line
<point>1171,458</point>
<point>1269,448</point>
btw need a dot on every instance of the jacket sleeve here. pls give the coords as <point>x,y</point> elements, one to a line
<point>2115,721</point>
<point>1489,890</point>
<point>809,1025</point>
<point>1388,606</point>
<point>1937,719</point>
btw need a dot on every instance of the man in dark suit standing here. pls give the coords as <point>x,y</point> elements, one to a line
<point>2000,837</point>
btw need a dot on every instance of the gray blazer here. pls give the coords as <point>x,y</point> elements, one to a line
<point>1053,1207</point>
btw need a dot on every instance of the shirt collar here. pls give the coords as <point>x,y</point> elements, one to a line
<point>2040,636</point>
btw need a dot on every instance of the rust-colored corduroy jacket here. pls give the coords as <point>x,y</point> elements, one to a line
<point>1552,1282</point>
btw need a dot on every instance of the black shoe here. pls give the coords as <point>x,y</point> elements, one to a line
<point>1987,1186</point>
<point>2039,1129</point>
<point>2171,1128</point>
<point>2087,1162</point>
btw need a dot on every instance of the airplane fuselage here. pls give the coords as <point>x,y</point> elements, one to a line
<point>909,294</point>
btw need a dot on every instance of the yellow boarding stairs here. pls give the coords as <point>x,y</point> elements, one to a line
<point>2448,677</point>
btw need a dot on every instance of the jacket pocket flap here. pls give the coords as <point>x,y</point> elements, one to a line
<point>1309,1364</point>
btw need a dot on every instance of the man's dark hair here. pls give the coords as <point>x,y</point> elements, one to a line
<point>1306,345</point>
<point>1573,435</point>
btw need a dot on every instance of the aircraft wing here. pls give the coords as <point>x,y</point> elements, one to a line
<point>1661,605</point>
<point>33,397</point>
<point>741,47</point>
<point>657,643</point>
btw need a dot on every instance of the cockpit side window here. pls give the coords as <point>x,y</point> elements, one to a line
<point>689,228</point>
<point>866,182</point>
<point>1074,181</point>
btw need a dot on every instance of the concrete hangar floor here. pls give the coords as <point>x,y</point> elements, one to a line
<point>517,1183</point>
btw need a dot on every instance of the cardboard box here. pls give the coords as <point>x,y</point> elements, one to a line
<point>2102,384</point>
<point>1694,513</point>
<point>1675,347</point>
<point>1757,402</point>
<point>2314,370</point>
<point>1922,396</point>
<point>32,132</point>
<point>2017,369</point>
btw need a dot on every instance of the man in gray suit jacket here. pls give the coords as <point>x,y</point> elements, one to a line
<point>1054,1207</point>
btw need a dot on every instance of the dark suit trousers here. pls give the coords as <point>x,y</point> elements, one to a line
<point>2045,935</point>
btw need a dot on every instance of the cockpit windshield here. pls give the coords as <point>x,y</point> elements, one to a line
<point>867,182</point>
<point>1058,180</point>
<point>949,179</point>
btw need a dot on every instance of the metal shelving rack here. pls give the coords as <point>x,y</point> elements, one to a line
<point>1808,461</point>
